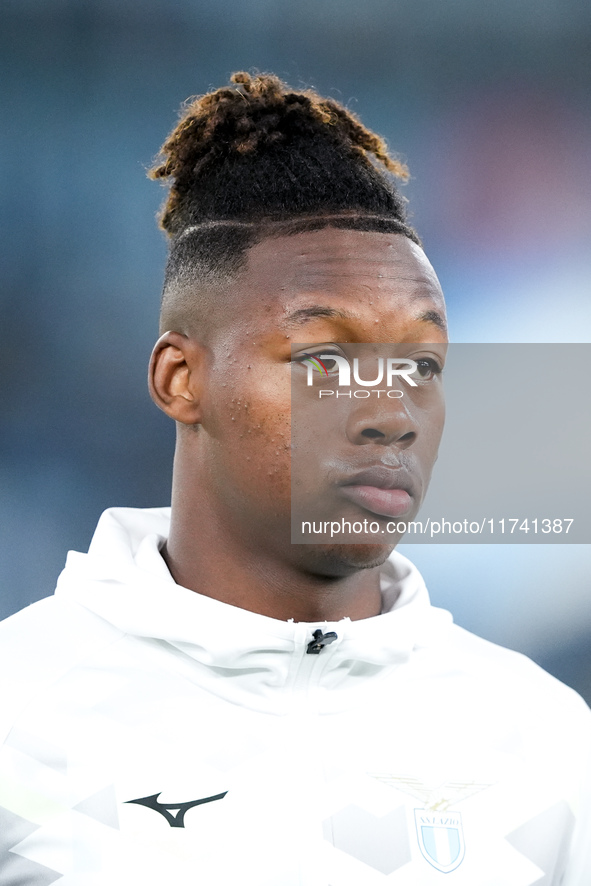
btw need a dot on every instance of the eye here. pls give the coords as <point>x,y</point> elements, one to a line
<point>427,369</point>
<point>319,361</point>
<point>330,364</point>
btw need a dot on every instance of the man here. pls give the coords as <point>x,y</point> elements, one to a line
<point>205,702</point>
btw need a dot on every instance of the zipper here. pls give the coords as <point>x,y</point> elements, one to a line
<point>309,667</point>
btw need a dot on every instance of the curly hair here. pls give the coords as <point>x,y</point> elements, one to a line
<point>256,159</point>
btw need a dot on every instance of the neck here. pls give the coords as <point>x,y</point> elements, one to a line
<point>271,589</point>
<point>207,554</point>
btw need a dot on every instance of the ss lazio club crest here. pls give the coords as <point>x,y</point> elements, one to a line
<point>439,830</point>
<point>441,839</point>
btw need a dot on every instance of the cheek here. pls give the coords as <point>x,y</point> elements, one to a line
<point>431,428</point>
<point>251,433</point>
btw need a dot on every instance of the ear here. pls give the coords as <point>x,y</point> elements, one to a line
<point>176,377</point>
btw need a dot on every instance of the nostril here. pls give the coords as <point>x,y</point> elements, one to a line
<point>372,433</point>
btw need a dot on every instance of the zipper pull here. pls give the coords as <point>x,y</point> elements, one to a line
<point>320,641</point>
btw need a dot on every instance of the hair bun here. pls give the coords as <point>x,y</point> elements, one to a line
<point>259,134</point>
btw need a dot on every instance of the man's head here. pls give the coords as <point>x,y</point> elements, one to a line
<point>255,160</point>
<point>285,226</point>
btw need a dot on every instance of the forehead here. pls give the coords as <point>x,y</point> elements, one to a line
<point>359,273</point>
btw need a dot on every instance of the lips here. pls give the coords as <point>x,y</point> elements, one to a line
<point>384,491</point>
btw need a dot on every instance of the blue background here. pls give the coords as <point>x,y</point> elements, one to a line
<point>489,104</point>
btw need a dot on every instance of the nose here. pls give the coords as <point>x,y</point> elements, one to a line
<point>381,420</point>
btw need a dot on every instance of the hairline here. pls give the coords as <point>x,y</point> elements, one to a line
<point>185,274</point>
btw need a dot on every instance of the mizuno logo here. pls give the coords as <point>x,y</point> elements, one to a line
<point>174,813</point>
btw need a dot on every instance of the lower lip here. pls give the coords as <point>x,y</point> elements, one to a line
<point>386,502</point>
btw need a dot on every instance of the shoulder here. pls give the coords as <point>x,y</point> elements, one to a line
<point>511,679</point>
<point>40,644</point>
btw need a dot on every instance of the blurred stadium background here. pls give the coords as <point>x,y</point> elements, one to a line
<point>489,103</point>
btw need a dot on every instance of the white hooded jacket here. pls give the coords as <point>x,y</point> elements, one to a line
<point>151,735</point>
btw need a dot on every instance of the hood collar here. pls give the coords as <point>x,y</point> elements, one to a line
<point>124,580</point>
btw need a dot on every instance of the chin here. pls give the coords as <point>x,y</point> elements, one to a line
<point>340,560</point>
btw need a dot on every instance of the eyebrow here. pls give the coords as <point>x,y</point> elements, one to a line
<point>434,317</point>
<point>304,315</point>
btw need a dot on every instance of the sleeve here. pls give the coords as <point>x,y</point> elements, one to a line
<point>578,868</point>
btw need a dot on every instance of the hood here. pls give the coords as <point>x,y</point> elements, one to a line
<point>124,580</point>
